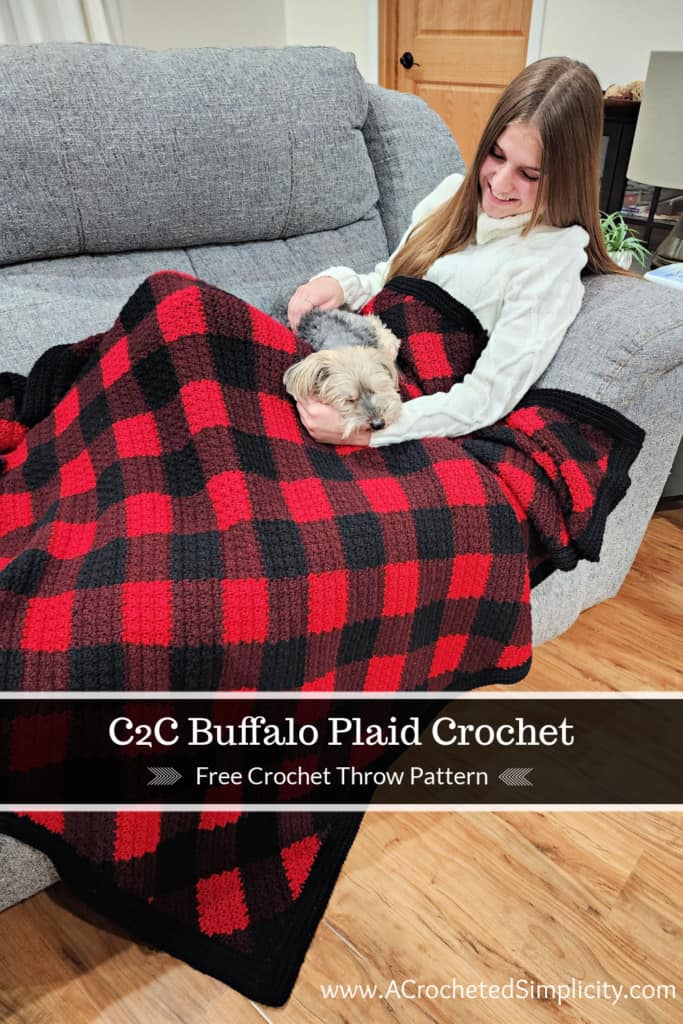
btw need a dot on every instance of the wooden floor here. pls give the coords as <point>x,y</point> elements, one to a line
<point>543,898</point>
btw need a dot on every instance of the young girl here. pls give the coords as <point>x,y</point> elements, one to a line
<point>509,239</point>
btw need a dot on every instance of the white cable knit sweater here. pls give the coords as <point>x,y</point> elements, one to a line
<point>525,291</point>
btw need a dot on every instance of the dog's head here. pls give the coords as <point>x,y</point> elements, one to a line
<point>361,383</point>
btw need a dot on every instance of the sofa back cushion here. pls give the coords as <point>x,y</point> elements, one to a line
<point>107,148</point>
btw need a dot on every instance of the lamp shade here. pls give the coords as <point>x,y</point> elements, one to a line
<point>657,153</point>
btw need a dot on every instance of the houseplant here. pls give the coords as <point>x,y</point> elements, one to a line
<point>621,242</point>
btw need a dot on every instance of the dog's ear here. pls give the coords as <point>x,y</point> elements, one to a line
<point>322,374</point>
<point>304,379</point>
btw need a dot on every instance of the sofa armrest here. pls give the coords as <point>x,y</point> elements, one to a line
<point>625,349</point>
<point>411,149</point>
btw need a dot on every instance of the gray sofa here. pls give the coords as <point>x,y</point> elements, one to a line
<point>254,169</point>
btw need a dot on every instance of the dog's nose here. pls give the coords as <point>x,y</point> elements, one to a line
<point>377,424</point>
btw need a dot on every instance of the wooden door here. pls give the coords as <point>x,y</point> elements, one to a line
<point>465,52</point>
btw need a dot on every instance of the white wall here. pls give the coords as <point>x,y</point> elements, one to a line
<point>163,24</point>
<point>348,24</point>
<point>614,37</point>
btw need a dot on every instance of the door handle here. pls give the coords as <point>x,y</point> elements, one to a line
<point>407,60</point>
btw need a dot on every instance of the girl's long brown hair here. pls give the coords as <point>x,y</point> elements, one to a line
<point>562,99</point>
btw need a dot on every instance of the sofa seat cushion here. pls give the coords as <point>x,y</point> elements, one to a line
<point>53,302</point>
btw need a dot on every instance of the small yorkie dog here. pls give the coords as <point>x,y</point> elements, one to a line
<point>353,368</point>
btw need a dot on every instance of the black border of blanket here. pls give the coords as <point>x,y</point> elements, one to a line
<point>272,980</point>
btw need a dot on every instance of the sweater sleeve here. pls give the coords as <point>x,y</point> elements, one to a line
<point>359,288</point>
<point>540,302</point>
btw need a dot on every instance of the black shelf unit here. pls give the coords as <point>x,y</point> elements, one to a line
<point>619,127</point>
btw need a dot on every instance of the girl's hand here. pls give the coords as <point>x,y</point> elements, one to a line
<point>322,293</point>
<point>326,425</point>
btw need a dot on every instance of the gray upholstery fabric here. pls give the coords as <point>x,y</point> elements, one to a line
<point>624,349</point>
<point>23,871</point>
<point>51,302</point>
<point>142,150</point>
<point>412,150</point>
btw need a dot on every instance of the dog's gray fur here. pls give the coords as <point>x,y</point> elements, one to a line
<point>336,328</point>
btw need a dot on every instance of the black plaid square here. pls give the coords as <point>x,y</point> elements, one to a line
<point>282,550</point>
<point>183,472</point>
<point>157,378</point>
<point>110,487</point>
<point>140,304</point>
<point>100,667</point>
<point>434,532</point>
<point>41,465</point>
<point>95,418</point>
<point>104,566</point>
<point>254,454</point>
<point>361,536</point>
<point>196,556</point>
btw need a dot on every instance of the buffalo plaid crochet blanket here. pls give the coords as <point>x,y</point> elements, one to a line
<point>167,524</point>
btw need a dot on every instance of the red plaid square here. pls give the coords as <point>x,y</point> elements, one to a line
<point>137,833</point>
<point>77,476</point>
<point>51,820</point>
<point>221,905</point>
<point>70,540</point>
<point>148,513</point>
<point>325,683</point>
<point>181,315</point>
<point>47,626</point>
<point>230,498</point>
<point>271,333</point>
<point>115,363</point>
<point>280,418</point>
<point>245,611</point>
<point>546,463</point>
<point>307,500</point>
<point>66,411</point>
<point>447,654</point>
<point>401,584</point>
<point>328,595</point>
<point>579,487</point>
<point>384,673</point>
<point>512,656</point>
<point>147,614</point>
<point>527,420</point>
<point>209,820</point>
<point>16,510</point>
<point>137,435</point>
<point>297,860</point>
<point>461,482</point>
<point>38,740</point>
<point>429,355</point>
<point>11,435</point>
<point>204,405</point>
<point>385,494</point>
<point>520,483</point>
<point>470,576</point>
<point>17,456</point>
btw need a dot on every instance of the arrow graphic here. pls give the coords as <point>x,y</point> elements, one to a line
<point>516,777</point>
<point>164,776</point>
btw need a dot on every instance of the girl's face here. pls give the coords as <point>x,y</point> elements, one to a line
<point>509,175</point>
